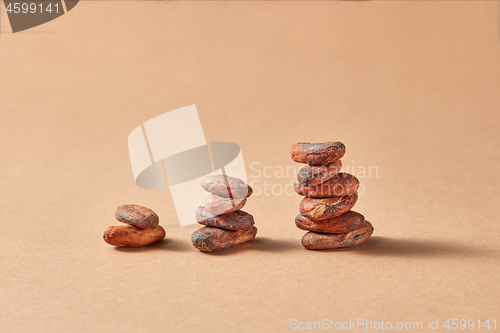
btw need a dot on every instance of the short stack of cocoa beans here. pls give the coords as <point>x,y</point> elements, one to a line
<point>325,212</point>
<point>141,227</point>
<point>225,224</point>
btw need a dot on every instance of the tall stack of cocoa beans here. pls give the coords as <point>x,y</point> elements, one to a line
<point>141,227</point>
<point>325,212</point>
<point>226,225</point>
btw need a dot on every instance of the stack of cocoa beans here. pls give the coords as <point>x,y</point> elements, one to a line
<point>329,196</point>
<point>141,227</point>
<point>226,225</point>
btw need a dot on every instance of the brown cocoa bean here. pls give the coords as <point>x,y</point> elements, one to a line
<point>217,205</point>
<point>128,235</point>
<point>317,153</point>
<point>238,220</point>
<point>208,239</point>
<point>340,185</point>
<point>327,208</point>
<point>344,223</point>
<point>317,175</point>
<point>226,186</point>
<point>137,216</point>
<point>314,241</point>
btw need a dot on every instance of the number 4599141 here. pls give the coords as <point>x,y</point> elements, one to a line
<point>470,324</point>
<point>31,8</point>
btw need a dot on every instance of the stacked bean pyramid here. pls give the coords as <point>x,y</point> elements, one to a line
<point>329,196</point>
<point>226,225</point>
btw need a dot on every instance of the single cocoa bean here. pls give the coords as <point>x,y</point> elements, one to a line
<point>137,216</point>
<point>208,239</point>
<point>226,186</point>
<point>238,220</point>
<point>217,205</point>
<point>327,208</point>
<point>344,223</point>
<point>314,241</point>
<point>128,235</point>
<point>337,186</point>
<point>317,175</point>
<point>317,153</point>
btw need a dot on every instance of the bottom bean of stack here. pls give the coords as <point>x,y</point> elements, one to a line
<point>315,240</point>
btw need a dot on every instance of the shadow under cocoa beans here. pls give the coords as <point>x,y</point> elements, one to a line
<point>274,245</point>
<point>167,244</point>
<point>417,248</point>
<point>261,244</point>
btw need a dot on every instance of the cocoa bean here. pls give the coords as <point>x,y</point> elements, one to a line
<point>344,223</point>
<point>238,220</point>
<point>217,205</point>
<point>317,153</point>
<point>208,239</point>
<point>327,208</point>
<point>340,185</point>
<point>137,216</point>
<point>226,186</point>
<point>317,175</point>
<point>315,241</point>
<point>128,235</point>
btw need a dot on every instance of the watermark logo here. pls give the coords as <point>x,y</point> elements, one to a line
<point>25,15</point>
<point>171,148</point>
<point>278,180</point>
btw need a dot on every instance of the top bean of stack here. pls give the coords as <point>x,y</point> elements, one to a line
<point>226,225</point>
<point>329,196</point>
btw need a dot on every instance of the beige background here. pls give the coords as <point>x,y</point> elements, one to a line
<point>411,87</point>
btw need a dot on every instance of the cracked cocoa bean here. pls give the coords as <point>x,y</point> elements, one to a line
<point>340,185</point>
<point>208,239</point>
<point>226,186</point>
<point>137,216</point>
<point>344,223</point>
<point>238,220</point>
<point>315,241</point>
<point>128,235</point>
<point>317,153</point>
<point>317,175</point>
<point>327,208</point>
<point>217,205</point>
